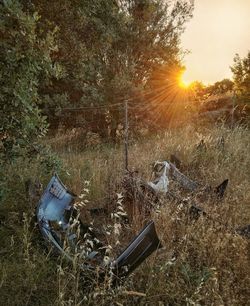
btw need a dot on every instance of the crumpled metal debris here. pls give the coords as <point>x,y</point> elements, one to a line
<point>57,220</point>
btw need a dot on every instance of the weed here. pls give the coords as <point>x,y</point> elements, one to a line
<point>201,263</point>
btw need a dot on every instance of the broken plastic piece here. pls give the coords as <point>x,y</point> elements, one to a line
<point>53,212</point>
<point>143,245</point>
<point>57,219</point>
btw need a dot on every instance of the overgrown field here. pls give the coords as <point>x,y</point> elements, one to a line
<point>202,262</point>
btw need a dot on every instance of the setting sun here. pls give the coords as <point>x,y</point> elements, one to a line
<point>183,83</point>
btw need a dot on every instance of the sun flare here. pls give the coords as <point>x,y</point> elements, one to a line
<point>183,83</point>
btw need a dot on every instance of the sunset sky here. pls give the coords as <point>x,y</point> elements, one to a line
<point>218,30</point>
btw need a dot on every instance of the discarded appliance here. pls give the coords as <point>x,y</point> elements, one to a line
<point>57,218</point>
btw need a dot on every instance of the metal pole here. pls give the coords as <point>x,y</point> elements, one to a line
<point>126,134</point>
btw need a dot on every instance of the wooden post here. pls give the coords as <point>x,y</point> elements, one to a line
<point>126,134</point>
<point>233,107</point>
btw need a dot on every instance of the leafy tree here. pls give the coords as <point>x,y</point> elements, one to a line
<point>110,49</point>
<point>197,91</point>
<point>241,76</point>
<point>25,63</point>
<point>201,92</point>
<point>220,87</point>
<point>106,51</point>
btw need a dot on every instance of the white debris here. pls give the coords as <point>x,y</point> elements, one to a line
<point>161,172</point>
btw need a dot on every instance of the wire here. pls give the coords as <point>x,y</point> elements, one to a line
<point>90,107</point>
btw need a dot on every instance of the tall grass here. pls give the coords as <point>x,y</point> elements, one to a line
<point>201,263</point>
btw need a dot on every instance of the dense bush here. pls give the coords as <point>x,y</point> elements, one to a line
<point>25,63</point>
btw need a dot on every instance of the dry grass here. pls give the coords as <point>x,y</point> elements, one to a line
<point>201,263</point>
